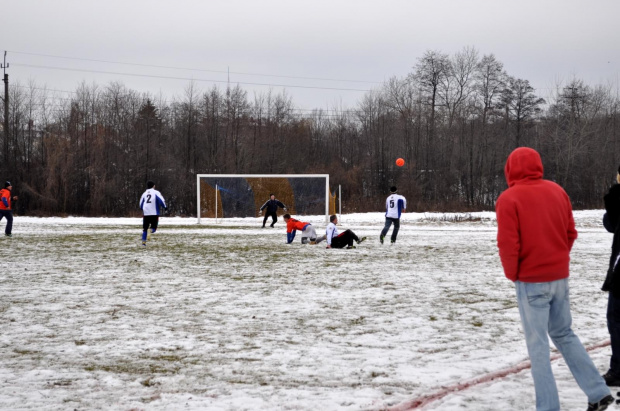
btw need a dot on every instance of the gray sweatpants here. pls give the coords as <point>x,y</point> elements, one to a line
<point>309,234</point>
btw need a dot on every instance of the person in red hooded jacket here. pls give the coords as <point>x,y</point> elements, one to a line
<point>535,234</point>
<point>6,210</point>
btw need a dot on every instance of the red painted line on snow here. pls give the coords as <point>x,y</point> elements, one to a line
<point>424,400</point>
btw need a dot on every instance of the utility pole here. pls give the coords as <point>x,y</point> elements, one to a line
<point>5,66</point>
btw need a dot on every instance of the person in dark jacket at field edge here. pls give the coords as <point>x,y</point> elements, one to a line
<point>611,221</point>
<point>272,209</point>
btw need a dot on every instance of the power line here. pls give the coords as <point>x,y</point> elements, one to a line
<point>194,69</point>
<point>185,78</point>
<point>44,89</point>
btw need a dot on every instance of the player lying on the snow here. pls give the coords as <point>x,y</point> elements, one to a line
<point>308,233</point>
<point>335,240</point>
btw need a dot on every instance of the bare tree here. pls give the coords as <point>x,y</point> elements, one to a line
<point>520,103</point>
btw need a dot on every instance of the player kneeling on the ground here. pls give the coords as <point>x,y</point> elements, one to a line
<point>308,233</point>
<point>150,203</point>
<point>335,240</point>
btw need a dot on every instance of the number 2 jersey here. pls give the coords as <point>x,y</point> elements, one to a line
<point>394,205</point>
<point>151,202</point>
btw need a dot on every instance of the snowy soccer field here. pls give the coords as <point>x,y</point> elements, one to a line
<point>228,317</point>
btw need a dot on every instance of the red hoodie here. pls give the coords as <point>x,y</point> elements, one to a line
<point>535,226</point>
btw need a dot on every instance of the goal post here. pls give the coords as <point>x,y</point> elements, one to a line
<point>241,195</point>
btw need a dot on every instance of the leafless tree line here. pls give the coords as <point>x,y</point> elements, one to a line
<point>454,119</point>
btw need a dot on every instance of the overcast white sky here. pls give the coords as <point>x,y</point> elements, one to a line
<point>367,41</point>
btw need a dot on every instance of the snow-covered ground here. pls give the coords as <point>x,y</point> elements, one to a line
<point>228,317</point>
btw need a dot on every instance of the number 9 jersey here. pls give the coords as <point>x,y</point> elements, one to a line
<point>151,202</point>
<point>394,205</point>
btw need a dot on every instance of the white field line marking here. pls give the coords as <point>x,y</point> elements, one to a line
<point>424,400</point>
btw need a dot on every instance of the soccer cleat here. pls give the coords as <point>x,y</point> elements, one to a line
<point>611,379</point>
<point>144,243</point>
<point>381,239</point>
<point>9,235</point>
<point>601,405</point>
<point>361,240</point>
<point>392,242</point>
<point>350,247</point>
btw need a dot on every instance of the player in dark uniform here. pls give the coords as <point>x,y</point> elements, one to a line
<point>272,209</point>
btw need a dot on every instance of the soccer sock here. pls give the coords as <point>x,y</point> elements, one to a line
<point>144,235</point>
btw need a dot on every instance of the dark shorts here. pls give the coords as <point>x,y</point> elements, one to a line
<point>150,220</point>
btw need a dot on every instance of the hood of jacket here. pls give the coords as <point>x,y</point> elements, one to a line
<point>523,164</point>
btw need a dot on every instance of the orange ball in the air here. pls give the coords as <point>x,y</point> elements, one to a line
<point>400,162</point>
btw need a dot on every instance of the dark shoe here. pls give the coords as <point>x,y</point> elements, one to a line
<point>392,241</point>
<point>9,235</point>
<point>601,405</point>
<point>361,240</point>
<point>381,239</point>
<point>271,226</point>
<point>611,379</point>
<point>350,247</point>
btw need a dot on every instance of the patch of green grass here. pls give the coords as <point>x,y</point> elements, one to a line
<point>61,383</point>
<point>376,374</point>
<point>149,382</point>
<point>247,359</point>
<point>26,352</point>
<point>357,321</point>
<point>133,368</point>
<point>509,304</point>
<point>166,357</point>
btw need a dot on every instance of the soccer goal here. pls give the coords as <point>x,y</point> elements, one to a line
<point>242,195</point>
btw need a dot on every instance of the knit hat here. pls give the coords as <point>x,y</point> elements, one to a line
<point>7,184</point>
<point>393,189</point>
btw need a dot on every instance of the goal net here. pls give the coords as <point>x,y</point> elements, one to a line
<point>242,195</point>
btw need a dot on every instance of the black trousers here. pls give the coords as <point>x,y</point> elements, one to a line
<point>274,218</point>
<point>613,325</point>
<point>150,220</point>
<point>9,220</point>
<point>344,239</point>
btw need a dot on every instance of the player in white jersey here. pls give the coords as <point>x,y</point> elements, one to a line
<point>151,203</point>
<point>335,240</point>
<point>394,206</point>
